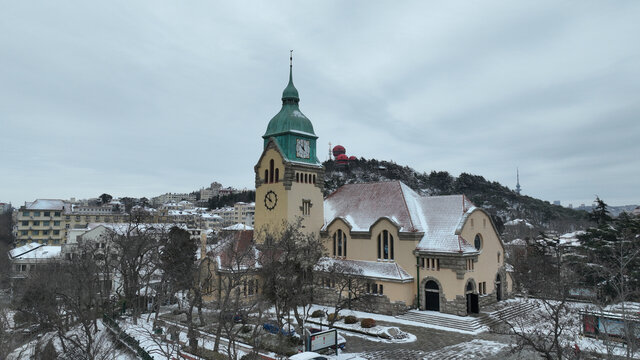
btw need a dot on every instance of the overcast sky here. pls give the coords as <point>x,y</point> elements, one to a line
<point>142,98</point>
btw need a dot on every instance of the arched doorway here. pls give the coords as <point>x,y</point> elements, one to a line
<point>498,287</point>
<point>472,298</point>
<point>431,296</point>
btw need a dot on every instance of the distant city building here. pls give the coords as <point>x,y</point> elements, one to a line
<point>4,207</point>
<point>42,221</point>
<point>556,202</point>
<point>172,198</point>
<point>241,212</point>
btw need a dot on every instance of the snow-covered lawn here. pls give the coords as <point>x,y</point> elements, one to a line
<point>389,334</point>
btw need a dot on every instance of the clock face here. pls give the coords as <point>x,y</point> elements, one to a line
<point>303,149</point>
<point>270,200</point>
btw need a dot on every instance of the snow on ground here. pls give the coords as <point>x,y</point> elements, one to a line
<point>393,319</point>
<point>103,345</point>
<point>474,349</point>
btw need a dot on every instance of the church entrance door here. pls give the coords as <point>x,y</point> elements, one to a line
<point>432,296</point>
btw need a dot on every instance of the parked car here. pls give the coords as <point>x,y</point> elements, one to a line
<point>287,329</point>
<point>309,355</point>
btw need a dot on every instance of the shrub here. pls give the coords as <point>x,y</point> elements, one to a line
<point>350,319</point>
<point>245,329</point>
<point>317,314</point>
<point>333,317</point>
<point>367,323</point>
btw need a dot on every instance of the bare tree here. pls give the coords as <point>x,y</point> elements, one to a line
<point>287,261</point>
<point>548,328</point>
<point>137,248</point>
<point>345,283</point>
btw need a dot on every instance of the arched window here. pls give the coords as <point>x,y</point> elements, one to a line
<point>271,171</point>
<point>266,175</point>
<point>477,242</point>
<point>297,177</point>
<point>314,179</point>
<point>385,246</point>
<point>306,178</point>
<point>277,174</point>
<point>339,243</point>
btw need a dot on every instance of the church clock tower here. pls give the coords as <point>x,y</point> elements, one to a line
<point>289,177</point>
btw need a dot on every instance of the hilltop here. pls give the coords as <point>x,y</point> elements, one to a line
<point>498,200</point>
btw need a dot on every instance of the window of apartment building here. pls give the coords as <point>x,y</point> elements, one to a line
<point>376,289</point>
<point>45,232</point>
<point>24,232</point>
<point>56,232</point>
<point>25,213</point>
<point>77,218</point>
<point>25,223</point>
<point>21,267</point>
<point>339,243</point>
<point>57,213</point>
<point>68,217</point>
<point>470,265</point>
<point>385,246</point>
<point>36,213</point>
<point>56,223</point>
<point>47,213</point>
<point>66,226</point>
<point>35,232</point>
<point>36,223</point>
<point>46,223</point>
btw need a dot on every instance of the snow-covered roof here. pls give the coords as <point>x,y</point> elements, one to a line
<point>389,271</point>
<point>238,226</point>
<point>35,251</point>
<point>515,222</point>
<point>438,218</point>
<point>45,204</point>
<point>517,242</point>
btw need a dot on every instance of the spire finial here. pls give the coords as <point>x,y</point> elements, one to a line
<point>290,58</point>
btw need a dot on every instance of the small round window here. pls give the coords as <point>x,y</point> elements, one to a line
<point>477,242</point>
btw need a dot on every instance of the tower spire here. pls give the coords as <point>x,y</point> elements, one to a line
<point>290,94</point>
<point>518,180</point>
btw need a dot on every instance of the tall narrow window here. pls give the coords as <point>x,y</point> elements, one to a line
<point>385,246</point>
<point>277,174</point>
<point>271,171</point>
<point>339,243</point>
<point>297,177</point>
<point>335,243</point>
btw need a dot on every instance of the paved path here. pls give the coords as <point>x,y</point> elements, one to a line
<point>432,344</point>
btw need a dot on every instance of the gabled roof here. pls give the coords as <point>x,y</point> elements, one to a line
<point>389,271</point>
<point>236,252</point>
<point>438,218</point>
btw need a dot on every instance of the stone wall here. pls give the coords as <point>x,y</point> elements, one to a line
<point>379,304</point>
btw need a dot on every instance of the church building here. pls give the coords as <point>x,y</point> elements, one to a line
<point>437,253</point>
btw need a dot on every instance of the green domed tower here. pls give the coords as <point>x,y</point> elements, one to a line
<point>289,177</point>
<point>292,129</point>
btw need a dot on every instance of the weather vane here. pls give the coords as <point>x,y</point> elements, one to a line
<point>290,57</point>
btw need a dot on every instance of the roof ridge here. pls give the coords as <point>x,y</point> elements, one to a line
<point>406,207</point>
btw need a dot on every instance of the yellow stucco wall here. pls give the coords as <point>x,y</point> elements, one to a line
<point>288,208</point>
<point>487,266</point>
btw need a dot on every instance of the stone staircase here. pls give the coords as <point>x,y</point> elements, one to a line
<point>512,311</point>
<point>473,324</point>
<point>469,324</point>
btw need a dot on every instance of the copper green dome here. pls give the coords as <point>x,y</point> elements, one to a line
<point>290,118</point>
